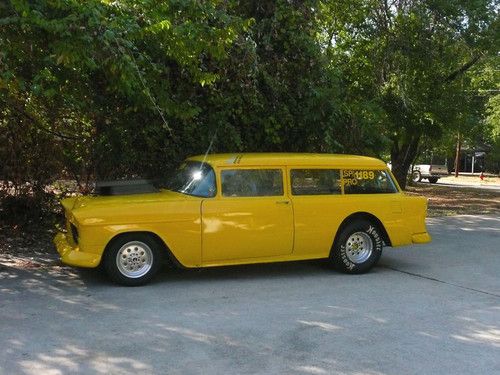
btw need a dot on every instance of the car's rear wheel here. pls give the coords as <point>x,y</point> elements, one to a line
<point>358,247</point>
<point>132,259</point>
<point>416,176</point>
<point>433,180</point>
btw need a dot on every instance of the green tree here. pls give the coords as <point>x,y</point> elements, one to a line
<point>99,89</point>
<point>487,83</point>
<point>105,88</point>
<point>408,59</point>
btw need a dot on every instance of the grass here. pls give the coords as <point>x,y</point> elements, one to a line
<point>448,201</point>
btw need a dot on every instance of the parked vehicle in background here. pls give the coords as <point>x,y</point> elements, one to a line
<point>431,172</point>
<point>429,166</point>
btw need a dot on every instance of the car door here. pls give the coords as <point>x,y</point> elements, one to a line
<point>252,217</point>
<point>319,208</point>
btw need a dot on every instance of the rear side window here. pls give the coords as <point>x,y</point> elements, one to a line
<point>315,181</point>
<point>359,181</point>
<point>252,182</point>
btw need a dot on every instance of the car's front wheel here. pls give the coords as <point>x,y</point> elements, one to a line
<point>358,247</point>
<point>132,259</point>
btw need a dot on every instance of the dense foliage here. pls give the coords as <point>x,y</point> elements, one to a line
<point>108,89</point>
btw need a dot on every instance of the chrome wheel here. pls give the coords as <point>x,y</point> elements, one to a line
<point>134,259</point>
<point>359,247</point>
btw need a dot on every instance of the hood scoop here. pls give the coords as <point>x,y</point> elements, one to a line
<point>124,187</point>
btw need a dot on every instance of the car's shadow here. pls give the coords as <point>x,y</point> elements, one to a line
<point>247,271</point>
<point>281,270</point>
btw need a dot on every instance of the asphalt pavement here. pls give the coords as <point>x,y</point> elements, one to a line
<point>428,309</point>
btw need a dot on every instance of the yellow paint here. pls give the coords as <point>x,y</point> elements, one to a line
<point>71,254</point>
<point>247,227</point>
<point>205,232</point>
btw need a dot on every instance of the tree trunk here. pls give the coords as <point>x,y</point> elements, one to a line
<point>457,154</point>
<point>402,158</point>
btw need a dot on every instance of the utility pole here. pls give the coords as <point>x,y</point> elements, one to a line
<point>457,154</point>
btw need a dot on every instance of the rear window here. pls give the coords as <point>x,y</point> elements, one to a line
<point>315,181</point>
<point>359,181</point>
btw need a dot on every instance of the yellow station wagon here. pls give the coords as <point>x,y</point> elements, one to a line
<point>229,209</point>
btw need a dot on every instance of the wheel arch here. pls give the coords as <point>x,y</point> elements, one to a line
<point>168,256</point>
<point>363,216</point>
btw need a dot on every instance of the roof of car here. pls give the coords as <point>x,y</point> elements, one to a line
<point>259,159</point>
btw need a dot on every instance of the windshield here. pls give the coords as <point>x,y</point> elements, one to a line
<point>193,178</point>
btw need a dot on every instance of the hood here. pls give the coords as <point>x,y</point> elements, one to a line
<point>90,201</point>
<point>97,200</point>
<point>97,210</point>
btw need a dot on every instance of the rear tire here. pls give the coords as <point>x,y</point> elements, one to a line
<point>358,247</point>
<point>433,180</point>
<point>132,259</point>
<point>416,176</point>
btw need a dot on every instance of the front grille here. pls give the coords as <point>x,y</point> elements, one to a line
<point>74,233</point>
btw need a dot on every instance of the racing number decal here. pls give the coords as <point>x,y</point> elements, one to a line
<point>352,177</point>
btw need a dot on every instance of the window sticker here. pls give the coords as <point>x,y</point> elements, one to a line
<point>352,177</point>
<point>358,181</point>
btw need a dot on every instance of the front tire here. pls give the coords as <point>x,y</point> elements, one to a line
<point>358,247</point>
<point>433,180</point>
<point>132,259</point>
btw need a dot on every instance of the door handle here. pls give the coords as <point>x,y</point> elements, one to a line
<point>282,202</point>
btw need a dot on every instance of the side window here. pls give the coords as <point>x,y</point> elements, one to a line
<point>358,181</point>
<point>315,181</point>
<point>251,182</point>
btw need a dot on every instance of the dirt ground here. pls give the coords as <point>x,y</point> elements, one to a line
<point>448,201</point>
<point>27,248</point>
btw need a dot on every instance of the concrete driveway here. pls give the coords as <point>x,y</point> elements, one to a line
<point>432,309</point>
<point>469,186</point>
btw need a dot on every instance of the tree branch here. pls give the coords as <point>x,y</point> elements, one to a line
<point>462,69</point>
<point>36,121</point>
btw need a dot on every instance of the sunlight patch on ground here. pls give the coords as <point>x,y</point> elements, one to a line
<point>311,370</point>
<point>322,325</point>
